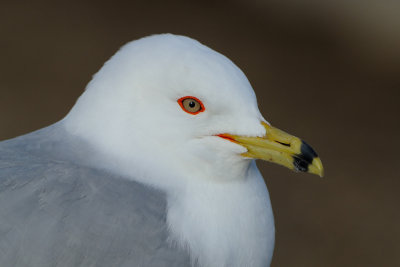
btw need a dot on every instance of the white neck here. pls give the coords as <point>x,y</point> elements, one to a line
<point>224,224</point>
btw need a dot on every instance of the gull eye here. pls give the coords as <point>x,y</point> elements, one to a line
<point>191,105</point>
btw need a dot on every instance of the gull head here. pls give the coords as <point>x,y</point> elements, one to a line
<point>168,104</point>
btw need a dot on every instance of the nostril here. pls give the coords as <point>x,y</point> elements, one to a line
<point>285,144</point>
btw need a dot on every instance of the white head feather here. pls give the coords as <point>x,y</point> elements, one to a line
<point>218,204</point>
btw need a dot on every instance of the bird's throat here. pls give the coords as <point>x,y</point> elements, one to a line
<point>220,222</point>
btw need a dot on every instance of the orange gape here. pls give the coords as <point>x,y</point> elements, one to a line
<point>227,137</point>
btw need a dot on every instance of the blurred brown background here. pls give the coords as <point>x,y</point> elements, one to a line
<point>325,71</point>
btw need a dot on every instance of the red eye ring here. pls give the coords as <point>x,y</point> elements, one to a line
<point>187,106</point>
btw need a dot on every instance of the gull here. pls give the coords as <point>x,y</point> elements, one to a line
<point>153,166</point>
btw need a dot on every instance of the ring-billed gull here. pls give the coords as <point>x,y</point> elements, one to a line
<point>153,166</point>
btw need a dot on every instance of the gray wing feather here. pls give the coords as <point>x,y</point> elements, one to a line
<point>59,213</point>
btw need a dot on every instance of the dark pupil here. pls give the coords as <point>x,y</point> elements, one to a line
<point>192,104</point>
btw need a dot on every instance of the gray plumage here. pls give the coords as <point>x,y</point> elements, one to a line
<point>56,210</point>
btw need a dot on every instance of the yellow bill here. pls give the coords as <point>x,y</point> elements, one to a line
<point>281,148</point>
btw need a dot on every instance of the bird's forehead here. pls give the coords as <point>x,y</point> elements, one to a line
<point>175,66</point>
<point>164,68</point>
